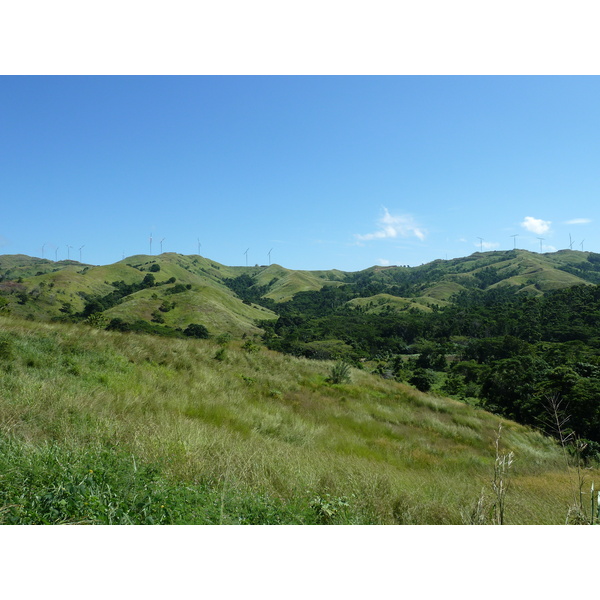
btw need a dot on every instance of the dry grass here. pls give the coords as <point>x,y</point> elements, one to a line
<point>268,423</point>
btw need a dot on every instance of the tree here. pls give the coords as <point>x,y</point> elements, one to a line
<point>149,280</point>
<point>422,379</point>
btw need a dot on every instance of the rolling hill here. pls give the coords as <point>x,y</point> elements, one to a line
<point>41,289</point>
<point>110,427</point>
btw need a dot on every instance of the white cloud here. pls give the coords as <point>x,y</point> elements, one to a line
<point>392,226</point>
<point>384,262</point>
<point>549,248</point>
<point>538,226</point>
<point>462,239</point>
<point>487,245</point>
<point>578,221</point>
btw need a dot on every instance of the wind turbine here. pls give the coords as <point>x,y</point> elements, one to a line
<point>480,243</point>
<point>80,252</point>
<point>56,254</point>
<point>199,246</point>
<point>582,245</point>
<point>68,252</point>
<point>514,237</point>
<point>269,253</point>
<point>161,241</point>
<point>43,245</point>
<point>570,242</point>
<point>246,253</point>
<point>150,243</point>
<point>541,240</point>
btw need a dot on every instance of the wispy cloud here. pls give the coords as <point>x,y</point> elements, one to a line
<point>578,221</point>
<point>534,225</point>
<point>487,245</point>
<point>384,262</point>
<point>393,226</point>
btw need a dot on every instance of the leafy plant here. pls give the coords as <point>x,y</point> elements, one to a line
<point>328,508</point>
<point>221,354</point>
<point>340,373</point>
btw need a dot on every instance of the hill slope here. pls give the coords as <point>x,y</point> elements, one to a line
<point>110,427</point>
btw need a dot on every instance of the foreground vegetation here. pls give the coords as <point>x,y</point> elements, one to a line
<point>102,426</point>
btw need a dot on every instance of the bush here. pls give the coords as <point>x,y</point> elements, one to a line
<point>157,317</point>
<point>250,346</point>
<point>340,373</point>
<point>176,289</point>
<point>224,338</point>
<point>197,331</point>
<point>155,268</point>
<point>117,324</point>
<point>221,354</point>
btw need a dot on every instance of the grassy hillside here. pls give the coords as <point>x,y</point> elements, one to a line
<point>104,427</point>
<point>65,291</point>
<point>45,286</point>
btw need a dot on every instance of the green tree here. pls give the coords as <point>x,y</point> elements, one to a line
<point>422,379</point>
<point>149,280</point>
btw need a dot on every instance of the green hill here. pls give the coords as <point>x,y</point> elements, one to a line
<point>104,427</point>
<point>49,285</point>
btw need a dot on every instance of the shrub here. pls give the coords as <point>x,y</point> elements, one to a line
<point>97,320</point>
<point>250,346</point>
<point>197,331</point>
<point>224,338</point>
<point>118,325</point>
<point>155,268</point>
<point>340,373</point>
<point>157,317</point>
<point>176,289</point>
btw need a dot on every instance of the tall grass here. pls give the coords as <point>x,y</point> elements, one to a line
<point>253,429</point>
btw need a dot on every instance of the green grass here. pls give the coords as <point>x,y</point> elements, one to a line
<point>253,437</point>
<point>215,306</point>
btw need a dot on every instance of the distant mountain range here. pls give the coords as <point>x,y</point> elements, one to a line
<point>174,290</point>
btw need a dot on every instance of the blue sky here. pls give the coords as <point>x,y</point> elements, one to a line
<point>327,172</point>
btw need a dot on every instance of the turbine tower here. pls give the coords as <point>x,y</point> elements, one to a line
<point>161,241</point>
<point>150,243</point>
<point>43,245</point>
<point>269,253</point>
<point>56,254</point>
<point>514,237</point>
<point>582,245</point>
<point>80,249</point>
<point>246,253</point>
<point>199,246</point>
<point>480,243</point>
<point>541,240</point>
<point>570,242</point>
<point>68,252</point>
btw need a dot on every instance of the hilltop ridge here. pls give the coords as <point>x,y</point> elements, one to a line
<point>234,299</point>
